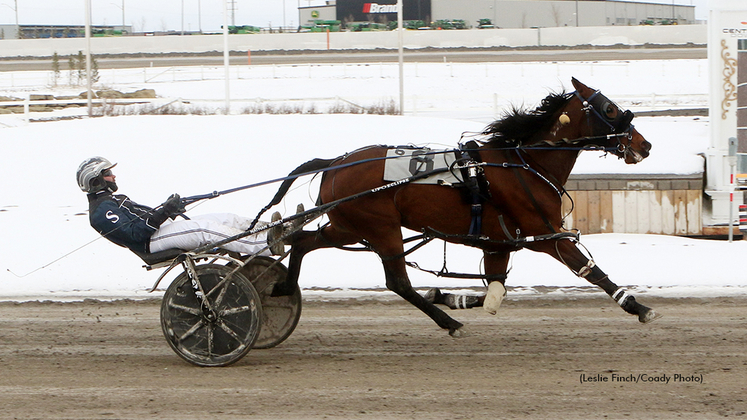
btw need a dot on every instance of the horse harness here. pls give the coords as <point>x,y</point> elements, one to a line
<point>475,185</point>
<point>474,182</point>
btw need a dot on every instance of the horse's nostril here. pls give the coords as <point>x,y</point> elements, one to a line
<point>646,146</point>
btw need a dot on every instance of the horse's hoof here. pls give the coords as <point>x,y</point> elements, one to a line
<point>277,246</point>
<point>649,316</point>
<point>458,332</point>
<point>433,295</point>
<point>494,297</point>
<point>298,223</point>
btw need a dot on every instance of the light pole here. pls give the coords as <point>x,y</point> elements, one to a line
<point>88,59</point>
<point>227,104</point>
<point>400,54</point>
<point>199,16</point>
<point>18,28</point>
<point>123,14</point>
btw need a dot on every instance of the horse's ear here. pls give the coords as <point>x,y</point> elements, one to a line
<point>581,88</point>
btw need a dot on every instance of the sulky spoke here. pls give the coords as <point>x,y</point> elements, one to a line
<point>210,337</point>
<point>230,332</point>
<point>192,330</point>
<point>223,289</point>
<point>187,309</point>
<point>235,310</point>
<point>222,286</point>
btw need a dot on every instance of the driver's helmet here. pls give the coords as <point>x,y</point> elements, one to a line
<point>90,174</point>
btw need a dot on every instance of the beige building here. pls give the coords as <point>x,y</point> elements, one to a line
<point>554,13</point>
<point>510,13</point>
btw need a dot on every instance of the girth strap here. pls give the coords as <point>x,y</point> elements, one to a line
<point>475,182</point>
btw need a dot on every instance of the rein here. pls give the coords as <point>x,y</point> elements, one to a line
<point>320,210</point>
<point>215,194</point>
<point>580,144</point>
<point>536,146</point>
<point>553,145</point>
<point>591,143</point>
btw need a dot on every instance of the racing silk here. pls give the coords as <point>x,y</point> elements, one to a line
<point>122,221</point>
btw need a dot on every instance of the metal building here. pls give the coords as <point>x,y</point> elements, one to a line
<point>506,13</point>
<point>59,31</point>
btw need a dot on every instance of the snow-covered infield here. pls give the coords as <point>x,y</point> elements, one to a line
<point>50,252</point>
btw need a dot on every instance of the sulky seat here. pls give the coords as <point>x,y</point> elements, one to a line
<point>159,257</point>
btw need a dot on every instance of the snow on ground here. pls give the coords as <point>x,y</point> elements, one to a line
<point>472,91</point>
<point>50,252</point>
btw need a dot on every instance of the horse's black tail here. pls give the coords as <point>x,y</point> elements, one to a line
<point>310,167</point>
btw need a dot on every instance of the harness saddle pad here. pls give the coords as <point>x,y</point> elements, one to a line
<point>406,161</point>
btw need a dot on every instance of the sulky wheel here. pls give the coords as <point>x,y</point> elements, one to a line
<point>216,334</point>
<point>280,313</point>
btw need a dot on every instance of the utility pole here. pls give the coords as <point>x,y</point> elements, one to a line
<point>401,31</point>
<point>123,14</point>
<point>199,16</point>
<point>233,12</point>
<point>18,27</point>
<point>225,58</point>
<point>88,59</point>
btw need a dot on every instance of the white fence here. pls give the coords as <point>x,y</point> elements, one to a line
<point>477,91</point>
<point>474,38</point>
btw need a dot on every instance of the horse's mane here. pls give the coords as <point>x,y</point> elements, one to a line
<point>518,126</point>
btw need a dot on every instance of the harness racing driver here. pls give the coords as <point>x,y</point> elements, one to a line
<point>145,230</point>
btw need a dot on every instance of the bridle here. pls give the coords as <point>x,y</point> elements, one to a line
<point>610,115</point>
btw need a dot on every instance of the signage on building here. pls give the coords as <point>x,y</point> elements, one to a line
<point>379,8</point>
<point>366,10</point>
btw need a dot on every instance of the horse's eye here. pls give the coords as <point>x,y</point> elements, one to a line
<point>610,111</point>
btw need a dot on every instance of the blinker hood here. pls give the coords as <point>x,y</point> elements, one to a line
<point>610,113</point>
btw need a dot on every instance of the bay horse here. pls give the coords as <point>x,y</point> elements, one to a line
<point>525,157</point>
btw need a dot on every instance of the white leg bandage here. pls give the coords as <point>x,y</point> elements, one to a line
<point>620,296</point>
<point>494,297</point>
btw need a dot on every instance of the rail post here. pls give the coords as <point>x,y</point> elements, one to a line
<point>26,101</point>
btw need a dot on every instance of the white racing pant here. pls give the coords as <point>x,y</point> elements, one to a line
<point>207,229</point>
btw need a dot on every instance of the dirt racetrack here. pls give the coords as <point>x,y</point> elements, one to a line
<point>370,359</point>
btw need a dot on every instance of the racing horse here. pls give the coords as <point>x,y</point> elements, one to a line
<point>524,158</point>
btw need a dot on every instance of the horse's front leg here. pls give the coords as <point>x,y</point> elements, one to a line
<point>568,253</point>
<point>496,267</point>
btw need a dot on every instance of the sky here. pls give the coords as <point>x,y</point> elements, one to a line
<point>207,15</point>
<point>155,15</point>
